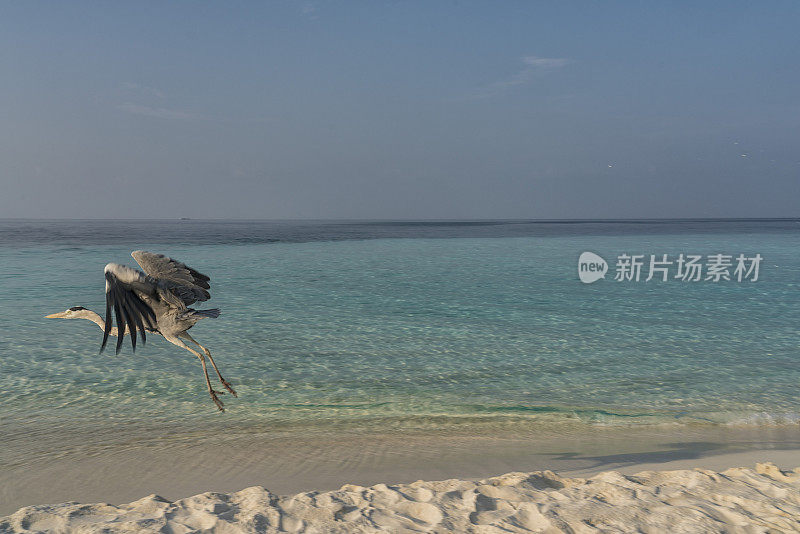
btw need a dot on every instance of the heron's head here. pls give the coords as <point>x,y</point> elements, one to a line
<point>76,312</point>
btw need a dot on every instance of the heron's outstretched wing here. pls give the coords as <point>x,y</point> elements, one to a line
<point>122,284</point>
<point>184,282</point>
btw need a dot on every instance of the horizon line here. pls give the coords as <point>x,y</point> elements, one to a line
<point>411,220</point>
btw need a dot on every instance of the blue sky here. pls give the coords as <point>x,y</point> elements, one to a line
<point>399,109</point>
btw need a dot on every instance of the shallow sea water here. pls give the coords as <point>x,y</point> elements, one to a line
<point>394,327</point>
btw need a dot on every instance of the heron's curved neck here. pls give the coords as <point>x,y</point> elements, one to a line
<point>89,315</point>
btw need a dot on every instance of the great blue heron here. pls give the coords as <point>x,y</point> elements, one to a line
<point>154,301</point>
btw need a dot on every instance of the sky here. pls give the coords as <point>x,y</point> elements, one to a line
<point>399,110</point>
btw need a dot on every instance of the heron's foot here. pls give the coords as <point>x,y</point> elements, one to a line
<point>216,400</point>
<point>228,387</point>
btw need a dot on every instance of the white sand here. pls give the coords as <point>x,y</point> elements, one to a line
<point>764,499</point>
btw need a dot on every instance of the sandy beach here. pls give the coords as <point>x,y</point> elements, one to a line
<point>763,498</point>
<point>647,479</point>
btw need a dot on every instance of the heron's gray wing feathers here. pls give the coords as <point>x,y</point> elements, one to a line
<point>184,282</point>
<point>123,289</point>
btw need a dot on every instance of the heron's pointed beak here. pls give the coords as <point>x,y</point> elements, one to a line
<point>55,315</point>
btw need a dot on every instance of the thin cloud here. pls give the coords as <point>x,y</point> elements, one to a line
<point>546,62</point>
<point>151,91</point>
<point>533,66</point>
<point>309,10</point>
<point>159,113</point>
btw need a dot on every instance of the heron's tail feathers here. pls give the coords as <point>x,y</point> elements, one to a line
<point>199,314</point>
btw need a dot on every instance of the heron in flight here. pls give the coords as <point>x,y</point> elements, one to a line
<point>154,301</point>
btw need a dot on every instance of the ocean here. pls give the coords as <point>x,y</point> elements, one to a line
<point>392,327</point>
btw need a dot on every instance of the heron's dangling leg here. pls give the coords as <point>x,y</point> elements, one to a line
<point>208,353</point>
<point>211,391</point>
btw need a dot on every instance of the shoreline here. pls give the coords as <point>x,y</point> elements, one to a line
<point>292,463</point>
<point>683,500</point>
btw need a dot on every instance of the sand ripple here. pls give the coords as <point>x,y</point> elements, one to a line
<point>764,499</point>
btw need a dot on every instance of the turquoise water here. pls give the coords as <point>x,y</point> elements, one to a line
<point>444,331</point>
